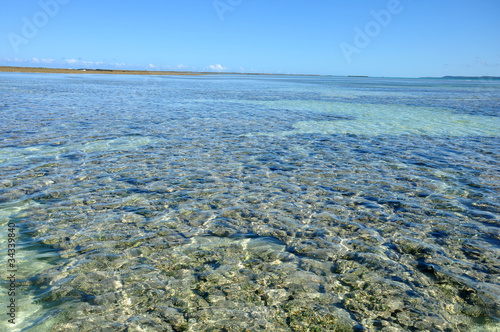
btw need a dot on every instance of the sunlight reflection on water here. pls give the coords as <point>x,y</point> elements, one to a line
<point>251,202</point>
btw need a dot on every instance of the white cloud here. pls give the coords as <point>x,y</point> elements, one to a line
<point>78,62</point>
<point>82,63</point>
<point>217,67</point>
<point>14,60</point>
<point>62,62</point>
<point>485,63</point>
<point>17,60</point>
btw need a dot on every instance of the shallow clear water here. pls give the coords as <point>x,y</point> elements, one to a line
<point>266,203</point>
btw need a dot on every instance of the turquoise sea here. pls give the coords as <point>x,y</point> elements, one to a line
<point>249,203</point>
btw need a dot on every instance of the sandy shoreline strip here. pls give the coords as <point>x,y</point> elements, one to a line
<point>93,71</point>
<point>9,69</point>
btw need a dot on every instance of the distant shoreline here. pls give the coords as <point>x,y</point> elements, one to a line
<point>92,71</point>
<point>8,69</point>
<point>465,77</point>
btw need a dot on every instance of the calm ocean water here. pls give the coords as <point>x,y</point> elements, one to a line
<point>250,203</point>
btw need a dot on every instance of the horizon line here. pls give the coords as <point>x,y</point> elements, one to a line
<point>48,70</point>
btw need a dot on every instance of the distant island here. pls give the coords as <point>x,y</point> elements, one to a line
<point>467,77</point>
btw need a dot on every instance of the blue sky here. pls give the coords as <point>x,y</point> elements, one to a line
<point>397,38</point>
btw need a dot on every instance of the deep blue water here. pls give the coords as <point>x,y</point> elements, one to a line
<point>251,202</point>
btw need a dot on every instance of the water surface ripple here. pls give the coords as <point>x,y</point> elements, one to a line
<point>251,203</point>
